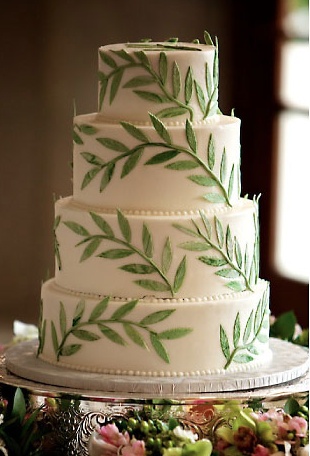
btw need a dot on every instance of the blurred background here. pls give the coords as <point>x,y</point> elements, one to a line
<point>48,64</point>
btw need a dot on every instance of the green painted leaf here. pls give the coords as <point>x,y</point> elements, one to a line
<point>236,286</point>
<point>107,176</point>
<point>77,138</point>
<point>228,273</point>
<point>224,343</point>
<point>195,246</point>
<point>182,165</point>
<point>160,129</point>
<point>139,81</point>
<point>231,181</point>
<point>209,80</point>
<point>113,144</point>
<point>219,231</point>
<point>173,111</point>
<point>159,348</point>
<point>214,198</point>
<point>186,230</point>
<point>112,335</point>
<point>151,96</point>
<point>89,176</point>
<point>242,358</point>
<point>139,268</point>
<point>162,157</point>
<point>213,261</point>
<point>180,275</point>
<point>263,338</point>
<point>116,81</point>
<point>124,310</point>
<point>166,256</point>
<point>163,67</point>
<point>147,241</point>
<point>200,97</point>
<point>124,226</point>
<point>206,223</point>
<point>108,60</point>
<point>54,337</point>
<point>142,57</point>
<point>102,224</point>
<point>134,335</point>
<point>252,349</point>
<point>176,80</point>
<point>203,180</point>
<point>115,254</point>
<point>99,309</point>
<point>134,131</point>
<point>229,244</point>
<point>78,313</point>
<point>156,317</point>
<point>153,285</point>
<point>57,222</point>
<point>236,330</point>
<point>85,335</point>
<point>188,85</point>
<point>77,228</point>
<point>62,319</point>
<point>238,253</point>
<point>88,129</point>
<point>207,38</point>
<point>190,136</point>
<point>69,350</point>
<point>102,90</point>
<point>131,162</point>
<point>223,166</point>
<point>211,152</point>
<point>123,55</point>
<point>92,159</point>
<point>91,248</point>
<point>248,328</point>
<point>175,333</point>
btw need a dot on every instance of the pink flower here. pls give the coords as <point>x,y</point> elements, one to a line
<point>136,448</point>
<point>299,425</point>
<point>113,436</point>
<point>260,450</point>
<point>107,441</point>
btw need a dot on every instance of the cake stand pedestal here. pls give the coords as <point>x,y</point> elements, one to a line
<point>73,403</point>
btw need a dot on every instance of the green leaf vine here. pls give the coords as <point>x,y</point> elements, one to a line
<point>242,349</point>
<point>125,248</point>
<point>83,329</point>
<point>183,88</point>
<point>224,183</point>
<point>231,263</point>
<point>56,243</point>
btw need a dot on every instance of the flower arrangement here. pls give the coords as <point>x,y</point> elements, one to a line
<point>142,437</point>
<point>241,431</point>
<point>262,433</point>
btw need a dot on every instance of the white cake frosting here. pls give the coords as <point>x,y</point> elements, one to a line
<point>157,254</point>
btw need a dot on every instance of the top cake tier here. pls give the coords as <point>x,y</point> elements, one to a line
<point>174,81</point>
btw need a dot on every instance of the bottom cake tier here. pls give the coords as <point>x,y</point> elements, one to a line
<point>155,337</point>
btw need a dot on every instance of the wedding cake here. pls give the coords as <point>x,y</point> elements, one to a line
<point>157,253</point>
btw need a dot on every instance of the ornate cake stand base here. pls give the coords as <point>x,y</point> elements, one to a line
<point>73,407</point>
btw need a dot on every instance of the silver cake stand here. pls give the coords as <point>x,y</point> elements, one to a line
<point>74,402</point>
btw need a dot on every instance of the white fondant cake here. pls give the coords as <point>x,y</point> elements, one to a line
<point>157,254</point>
